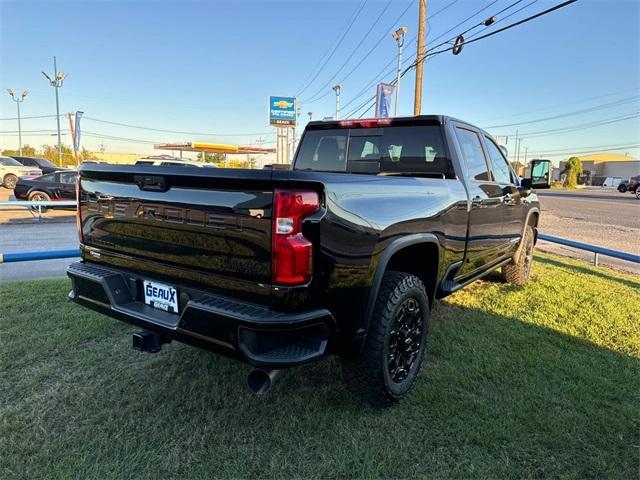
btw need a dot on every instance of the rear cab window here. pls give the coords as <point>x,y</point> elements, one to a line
<point>404,149</point>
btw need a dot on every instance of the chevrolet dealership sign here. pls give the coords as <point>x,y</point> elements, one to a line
<point>282,111</point>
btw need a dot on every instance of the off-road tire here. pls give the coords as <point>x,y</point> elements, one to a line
<point>9,181</point>
<point>368,376</point>
<point>517,271</point>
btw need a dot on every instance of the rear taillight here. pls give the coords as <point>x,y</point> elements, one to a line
<point>292,253</point>
<point>78,216</point>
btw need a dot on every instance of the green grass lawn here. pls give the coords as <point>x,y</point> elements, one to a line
<point>541,381</point>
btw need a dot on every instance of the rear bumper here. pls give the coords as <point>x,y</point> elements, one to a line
<point>246,331</point>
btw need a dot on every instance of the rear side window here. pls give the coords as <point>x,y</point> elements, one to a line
<point>50,178</point>
<point>499,165</point>
<point>144,162</point>
<point>68,177</point>
<point>473,155</point>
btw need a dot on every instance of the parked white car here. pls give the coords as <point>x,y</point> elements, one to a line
<point>11,170</point>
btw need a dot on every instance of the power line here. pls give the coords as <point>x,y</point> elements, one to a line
<point>26,118</point>
<point>573,128</point>
<point>615,146</point>
<point>477,12</point>
<point>500,30</point>
<point>545,153</point>
<point>617,103</point>
<point>564,104</point>
<point>140,127</point>
<point>344,34</point>
<point>382,38</point>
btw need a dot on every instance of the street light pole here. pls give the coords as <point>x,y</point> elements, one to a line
<point>337,88</point>
<point>58,78</point>
<point>18,101</point>
<point>398,36</point>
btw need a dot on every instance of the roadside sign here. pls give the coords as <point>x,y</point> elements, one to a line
<point>282,111</point>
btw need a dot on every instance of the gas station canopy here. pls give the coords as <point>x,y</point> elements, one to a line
<point>211,147</point>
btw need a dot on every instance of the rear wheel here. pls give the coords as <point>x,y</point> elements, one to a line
<point>517,271</point>
<point>622,188</point>
<point>395,347</point>
<point>9,181</point>
<point>38,196</point>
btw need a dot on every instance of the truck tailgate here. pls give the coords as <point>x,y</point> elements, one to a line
<point>210,223</point>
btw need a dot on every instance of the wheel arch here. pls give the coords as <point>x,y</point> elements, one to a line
<point>401,255</point>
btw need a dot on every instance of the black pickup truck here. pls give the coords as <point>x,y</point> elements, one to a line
<point>344,253</point>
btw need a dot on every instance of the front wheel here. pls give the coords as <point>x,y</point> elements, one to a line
<point>395,346</point>
<point>517,270</point>
<point>622,188</point>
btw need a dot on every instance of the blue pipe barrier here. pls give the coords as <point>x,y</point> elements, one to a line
<point>31,256</point>
<point>629,257</point>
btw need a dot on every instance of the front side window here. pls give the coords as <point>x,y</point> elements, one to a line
<point>473,155</point>
<point>499,165</point>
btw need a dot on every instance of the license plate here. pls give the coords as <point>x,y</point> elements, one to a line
<point>161,296</point>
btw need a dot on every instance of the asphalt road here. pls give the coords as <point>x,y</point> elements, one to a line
<point>596,216</point>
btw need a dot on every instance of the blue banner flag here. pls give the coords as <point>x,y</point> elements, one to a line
<point>76,132</point>
<point>384,92</point>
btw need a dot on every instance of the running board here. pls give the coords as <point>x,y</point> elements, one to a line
<point>447,287</point>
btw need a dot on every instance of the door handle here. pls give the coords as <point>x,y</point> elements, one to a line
<point>476,202</point>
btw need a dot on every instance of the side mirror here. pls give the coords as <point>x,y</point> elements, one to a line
<point>540,174</point>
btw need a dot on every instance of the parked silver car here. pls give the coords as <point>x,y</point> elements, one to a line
<point>11,170</point>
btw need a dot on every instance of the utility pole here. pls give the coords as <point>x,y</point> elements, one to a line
<point>310,115</point>
<point>72,129</point>
<point>398,36</point>
<point>526,149</point>
<point>422,20</point>
<point>296,126</point>
<point>337,88</point>
<point>18,101</point>
<point>58,78</point>
<point>515,146</point>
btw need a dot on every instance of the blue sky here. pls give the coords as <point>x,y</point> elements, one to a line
<point>209,67</point>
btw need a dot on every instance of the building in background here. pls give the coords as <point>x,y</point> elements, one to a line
<point>597,167</point>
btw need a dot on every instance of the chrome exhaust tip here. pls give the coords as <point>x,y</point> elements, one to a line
<point>260,381</point>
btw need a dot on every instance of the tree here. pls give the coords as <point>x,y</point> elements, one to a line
<point>573,169</point>
<point>209,157</point>
<point>50,152</point>
<point>27,151</point>
<point>84,155</point>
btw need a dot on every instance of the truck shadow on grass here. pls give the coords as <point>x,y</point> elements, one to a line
<point>497,397</point>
